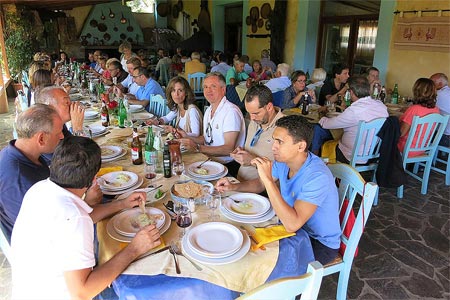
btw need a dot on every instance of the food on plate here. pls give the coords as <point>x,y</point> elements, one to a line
<point>107,151</point>
<point>201,171</point>
<point>159,194</point>
<point>188,190</point>
<point>120,179</point>
<point>146,219</point>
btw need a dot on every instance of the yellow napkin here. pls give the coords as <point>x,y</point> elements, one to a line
<point>329,150</point>
<point>103,171</point>
<point>271,234</point>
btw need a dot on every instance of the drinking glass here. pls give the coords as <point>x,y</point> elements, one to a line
<point>331,106</point>
<point>150,172</point>
<point>213,203</point>
<point>177,168</point>
<point>184,217</point>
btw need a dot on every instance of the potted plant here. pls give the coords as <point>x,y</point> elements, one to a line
<point>20,41</point>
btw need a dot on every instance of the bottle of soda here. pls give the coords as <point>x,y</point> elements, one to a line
<point>150,151</point>
<point>158,144</point>
<point>104,115</point>
<point>166,162</point>
<point>136,149</point>
<point>305,104</point>
<point>122,115</point>
<point>347,98</point>
<point>383,94</point>
<point>394,97</point>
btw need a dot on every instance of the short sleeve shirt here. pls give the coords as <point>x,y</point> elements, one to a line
<point>328,88</point>
<point>231,73</point>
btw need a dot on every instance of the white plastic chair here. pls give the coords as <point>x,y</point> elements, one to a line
<point>430,127</point>
<point>351,187</point>
<point>287,288</point>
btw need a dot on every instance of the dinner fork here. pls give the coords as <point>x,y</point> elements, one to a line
<point>200,165</point>
<point>177,267</point>
<point>178,252</point>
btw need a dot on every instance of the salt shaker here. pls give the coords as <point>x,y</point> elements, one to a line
<point>191,204</point>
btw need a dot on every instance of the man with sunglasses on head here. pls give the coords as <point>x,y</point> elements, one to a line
<point>223,125</point>
<point>263,115</point>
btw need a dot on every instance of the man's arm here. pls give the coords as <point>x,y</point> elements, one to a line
<point>249,186</point>
<point>230,139</point>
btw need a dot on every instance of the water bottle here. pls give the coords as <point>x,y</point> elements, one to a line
<point>394,97</point>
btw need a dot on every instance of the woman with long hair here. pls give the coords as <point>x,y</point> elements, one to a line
<point>424,103</point>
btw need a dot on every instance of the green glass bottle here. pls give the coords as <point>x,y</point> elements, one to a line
<point>122,115</point>
<point>149,150</point>
<point>394,97</point>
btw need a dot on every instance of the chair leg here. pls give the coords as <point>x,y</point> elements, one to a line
<point>426,176</point>
<point>400,192</point>
<point>447,172</point>
<point>416,168</point>
<point>344,276</point>
<point>375,200</point>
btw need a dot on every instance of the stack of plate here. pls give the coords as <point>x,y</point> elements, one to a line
<point>116,183</point>
<point>110,153</point>
<point>124,226</point>
<point>97,130</point>
<point>211,171</point>
<point>134,108</point>
<point>216,243</point>
<point>247,208</point>
<point>90,114</point>
<point>75,97</point>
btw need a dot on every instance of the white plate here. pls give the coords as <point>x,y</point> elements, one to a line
<point>150,194</point>
<point>218,176</point>
<point>119,180</point>
<point>122,221</point>
<point>97,129</point>
<point>75,97</point>
<point>249,206</point>
<point>126,239</point>
<point>215,239</point>
<point>111,151</point>
<point>136,108</point>
<point>213,168</point>
<point>90,114</point>
<point>132,188</point>
<point>124,152</point>
<point>218,261</point>
<point>243,83</point>
<point>270,214</point>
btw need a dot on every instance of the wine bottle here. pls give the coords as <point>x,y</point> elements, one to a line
<point>122,116</point>
<point>166,162</point>
<point>136,149</point>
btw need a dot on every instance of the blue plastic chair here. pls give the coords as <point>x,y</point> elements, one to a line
<point>278,98</point>
<point>367,147</point>
<point>431,127</point>
<point>287,288</point>
<point>4,244</point>
<point>25,79</point>
<point>351,186</point>
<point>158,106</point>
<point>446,172</point>
<point>196,82</point>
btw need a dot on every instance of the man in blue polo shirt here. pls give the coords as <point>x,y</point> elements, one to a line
<point>300,187</point>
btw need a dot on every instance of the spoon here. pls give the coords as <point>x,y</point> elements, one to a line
<point>200,165</point>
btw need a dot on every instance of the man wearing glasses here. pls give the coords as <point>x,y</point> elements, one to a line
<point>147,87</point>
<point>117,72</point>
<point>223,125</point>
<point>263,115</point>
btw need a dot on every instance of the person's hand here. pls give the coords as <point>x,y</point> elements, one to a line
<point>147,238</point>
<point>117,91</point>
<point>134,199</point>
<point>264,166</point>
<point>312,94</point>
<point>77,116</point>
<point>242,156</point>
<point>179,133</point>
<point>94,194</point>
<point>187,143</point>
<point>224,185</point>
<point>152,121</point>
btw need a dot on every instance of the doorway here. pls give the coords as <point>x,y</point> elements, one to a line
<point>233,29</point>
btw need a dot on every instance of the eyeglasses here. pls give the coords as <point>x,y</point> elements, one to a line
<point>256,137</point>
<point>209,134</point>
<point>136,76</point>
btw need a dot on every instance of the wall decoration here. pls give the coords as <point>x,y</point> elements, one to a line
<point>423,33</point>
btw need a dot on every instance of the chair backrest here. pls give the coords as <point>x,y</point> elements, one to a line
<point>353,187</point>
<point>425,134</point>
<point>367,143</point>
<point>164,74</point>
<point>158,106</point>
<point>196,82</point>
<point>4,244</point>
<point>25,79</point>
<point>287,288</point>
<point>278,98</point>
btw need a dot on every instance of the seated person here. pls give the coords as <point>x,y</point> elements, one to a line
<point>236,73</point>
<point>373,75</point>
<point>259,73</point>
<point>266,62</point>
<point>281,80</point>
<point>424,103</point>
<point>181,101</point>
<point>294,95</point>
<point>336,87</point>
<point>222,67</point>
<point>131,86</point>
<point>363,108</point>
<point>194,65</point>
<point>317,80</point>
<point>247,68</point>
<point>63,265</point>
<point>300,187</point>
<point>117,73</point>
<point>443,103</point>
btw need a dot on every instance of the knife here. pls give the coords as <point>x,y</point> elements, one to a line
<point>152,253</point>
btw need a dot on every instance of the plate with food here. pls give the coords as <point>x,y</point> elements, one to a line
<point>130,221</point>
<point>207,169</point>
<point>246,205</point>
<point>136,108</point>
<point>110,151</point>
<point>75,97</point>
<point>118,180</point>
<point>196,189</point>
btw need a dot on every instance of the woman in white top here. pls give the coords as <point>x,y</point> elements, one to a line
<point>127,53</point>
<point>180,100</point>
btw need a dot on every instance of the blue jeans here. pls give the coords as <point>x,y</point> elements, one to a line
<point>320,136</point>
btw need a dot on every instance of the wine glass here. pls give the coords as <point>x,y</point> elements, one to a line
<point>150,172</point>
<point>213,203</point>
<point>178,168</point>
<point>184,218</point>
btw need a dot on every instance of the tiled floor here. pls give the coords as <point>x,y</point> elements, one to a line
<point>403,254</point>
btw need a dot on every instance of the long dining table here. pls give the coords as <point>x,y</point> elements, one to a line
<point>155,277</point>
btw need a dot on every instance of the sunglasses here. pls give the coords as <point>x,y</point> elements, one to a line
<point>209,134</point>
<point>256,137</point>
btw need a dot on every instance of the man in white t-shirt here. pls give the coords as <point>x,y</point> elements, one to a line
<point>443,102</point>
<point>223,125</point>
<point>53,237</point>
